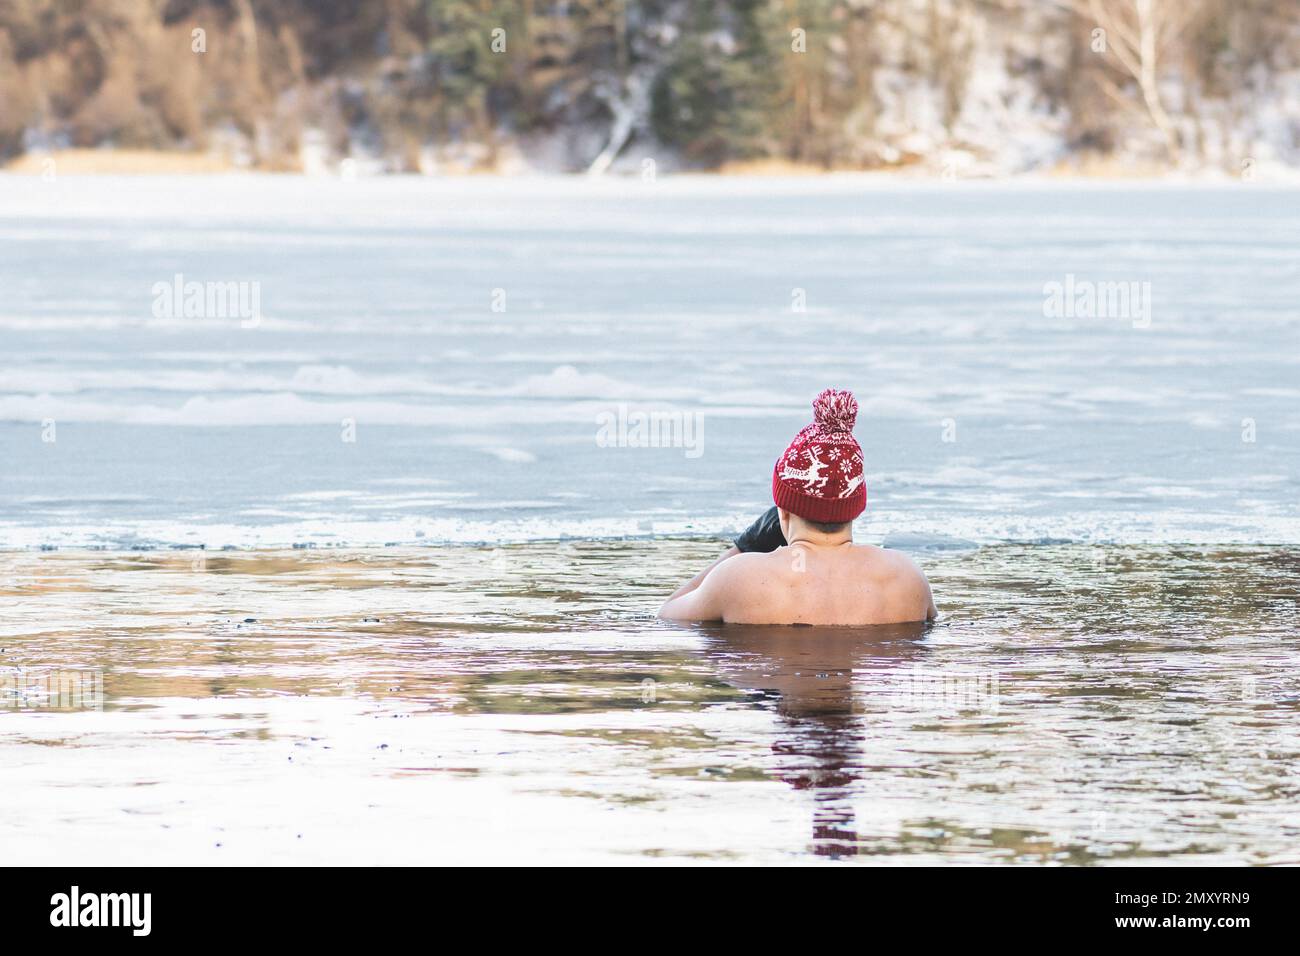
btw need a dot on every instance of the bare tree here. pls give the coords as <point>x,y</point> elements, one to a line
<point>1141,35</point>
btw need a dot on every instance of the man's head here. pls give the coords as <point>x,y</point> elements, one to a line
<point>819,477</point>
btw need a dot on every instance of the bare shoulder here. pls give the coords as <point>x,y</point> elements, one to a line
<point>904,577</point>
<point>751,579</point>
<point>744,569</point>
<point>895,563</point>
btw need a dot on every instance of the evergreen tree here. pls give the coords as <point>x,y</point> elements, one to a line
<point>477,55</point>
<point>715,96</point>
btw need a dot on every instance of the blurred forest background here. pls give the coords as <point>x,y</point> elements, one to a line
<point>973,87</point>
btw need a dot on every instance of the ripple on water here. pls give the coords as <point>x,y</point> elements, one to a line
<point>1073,705</point>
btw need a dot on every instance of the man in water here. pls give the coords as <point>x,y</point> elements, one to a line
<point>798,563</point>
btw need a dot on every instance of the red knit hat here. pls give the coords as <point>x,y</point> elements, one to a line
<point>819,478</point>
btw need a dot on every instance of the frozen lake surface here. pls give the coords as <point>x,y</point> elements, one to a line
<point>430,360</point>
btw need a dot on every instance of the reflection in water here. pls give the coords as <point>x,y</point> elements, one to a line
<point>813,675</point>
<point>1074,705</point>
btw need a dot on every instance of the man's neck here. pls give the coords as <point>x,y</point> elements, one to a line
<point>822,541</point>
<point>801,533</point>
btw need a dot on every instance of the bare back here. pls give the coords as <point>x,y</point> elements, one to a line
<point>847,584</point>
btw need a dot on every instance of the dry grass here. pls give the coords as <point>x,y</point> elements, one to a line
<point>1104,166</point>
<point>770,167</point>
<point>116,162</point>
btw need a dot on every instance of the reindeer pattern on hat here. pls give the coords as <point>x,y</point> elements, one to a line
<point>811,476</point>
<point>853,484</point>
